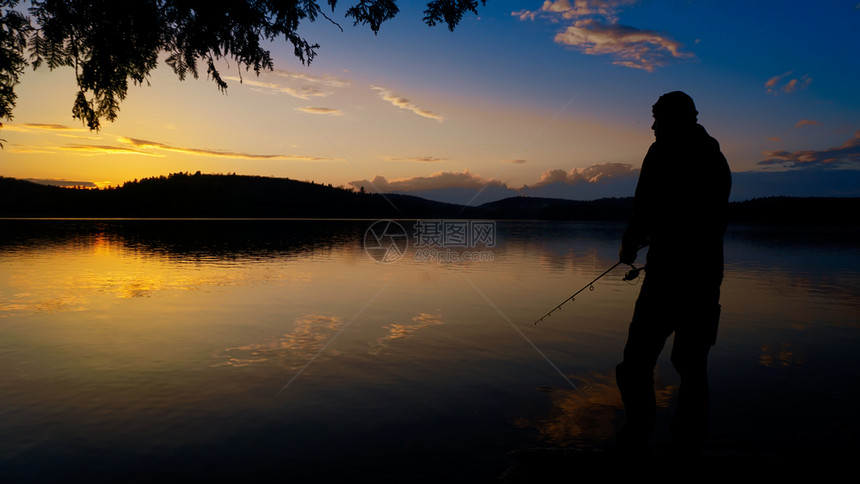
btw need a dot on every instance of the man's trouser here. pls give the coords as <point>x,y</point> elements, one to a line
<point>692,313</point>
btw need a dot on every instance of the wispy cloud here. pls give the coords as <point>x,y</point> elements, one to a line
<point>847,154</point>
<point>31,150</point>
<point>404,103</point>
<point>785,83</point>
<point>37,127</point>
<point>136,146</point>
<point>154,145</point>
<point>417,159</point>
<point>317,110</point>
<point>329,81</point>
<point>104,150</point>
<point>595,31</point>
<point>50,127</point>
<point>53,129</point>
<point>301,92</point>
<point>806,122</point>
<point>517,162</point>
<point>296,84</point>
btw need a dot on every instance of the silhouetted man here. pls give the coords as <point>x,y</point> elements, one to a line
<point>680,214</point>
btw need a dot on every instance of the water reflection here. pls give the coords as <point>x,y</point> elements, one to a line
<point>70,264</point>
<point>782,355</point>
<point>398,331</point>
<point>187,240</point>
<point>291,350</point>
<point>126,340</point>
<point>589,415</point>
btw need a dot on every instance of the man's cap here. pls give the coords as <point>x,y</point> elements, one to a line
<point>676,105</point>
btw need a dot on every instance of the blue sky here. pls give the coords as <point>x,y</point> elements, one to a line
<point>531,98</point>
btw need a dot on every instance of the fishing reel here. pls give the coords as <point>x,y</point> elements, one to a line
<point>633,273</point>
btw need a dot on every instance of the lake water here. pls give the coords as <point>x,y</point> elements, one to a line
<point>156,349</point>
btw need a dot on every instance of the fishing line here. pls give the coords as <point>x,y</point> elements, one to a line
<point>630,275</point>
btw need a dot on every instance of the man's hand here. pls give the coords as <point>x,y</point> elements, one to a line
<point>627,255</point>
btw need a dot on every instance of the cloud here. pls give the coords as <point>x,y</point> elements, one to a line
<point>596,181</point>
<point>619,180</point>
<point>296,84</point>
<point>315,110</point>
<point>418,159</point>
<point>140,147</point>
<point>517,162</point>
<point>602,173</point>
<point>820,182</point>
<point>404,103</point>
<point>154,145</point>
<point>631,47</point>
<point>594,174</point>
<point>580,8</point>
<point>463,188</point>
<point>49,126</point>
<point>438,180</point>
<point>58,129</point>
<point>328,81</point>
<point>847,154</point>
<point>34,127</point>
<point>805,122</point>
<point>104,150</point>
<point>31,151</point>
<point>301,92</point>
<point>595,31</point>
<point>524,14</point>
<point>786,84</point>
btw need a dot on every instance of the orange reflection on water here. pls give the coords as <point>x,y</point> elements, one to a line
<point>782,355</point>
<point>89,273</point>
<point>403,330</point>
<point>292,350</point>
<point>589,414</point>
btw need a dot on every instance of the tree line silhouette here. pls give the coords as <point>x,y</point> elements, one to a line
<point>186,195</point>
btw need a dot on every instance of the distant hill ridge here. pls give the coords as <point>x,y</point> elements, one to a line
<point>241,196</point>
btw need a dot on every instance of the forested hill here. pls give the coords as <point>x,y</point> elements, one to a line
<point>186,195</point>
<point>239,196</point>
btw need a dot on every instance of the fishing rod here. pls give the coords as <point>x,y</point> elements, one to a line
<point>630,275</point>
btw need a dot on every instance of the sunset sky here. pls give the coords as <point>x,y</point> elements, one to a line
<point>534,98</point>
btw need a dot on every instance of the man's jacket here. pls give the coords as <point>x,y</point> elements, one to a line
<point>680,207</point>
